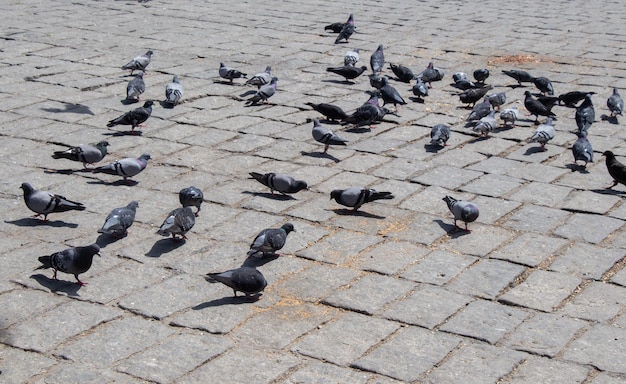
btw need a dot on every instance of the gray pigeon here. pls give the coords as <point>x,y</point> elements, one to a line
<point>119,220</point>
<point>519,75</point>
<point>497,99</point>
<point>191,197</point>
<point>571,98</point>
<point>135,87</point>
<point>543,134</point>
<point>403,73</point>
<point>139,63</point>
<point>615,103</point>
<point>331,111</point>
<point>126,168</point>
<point>134,118</point>
<point>270,240</point>
<point>462,210</point>
<point>377,60</point>
<point>480,110</point>
<point>351,57</point>
<point>509,115</point>
<point>535,107</point>
<point>178,222</point>
<point>85,153</point>
<point>346,30</point>
<point>280,182</point>
<point>75,260</point>
<point>248,280</point>
<point>430,74</point>
<point>325,136</point>
<point>261,78</point>
<point>420,90</point>
<point>544,85</point>
<point>173,92</point>
<point>439,135</point>
<point>230,73</point>
<point>585,115</point>
<point>481,75</point>
<point>264,93</point>
<point>582,149</point>
<point>44,203</point>
<point>486,124</point>
<point>390,95</point>
<point>368,113</point>
<point>355,197</point>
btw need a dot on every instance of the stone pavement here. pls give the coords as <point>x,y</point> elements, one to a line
<point>536,293</point>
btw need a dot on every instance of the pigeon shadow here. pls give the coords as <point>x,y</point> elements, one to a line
<point>166,105</point>
<point>129,101</point>
<point>417,99</point>
<point>71,108</point>
<point>478,138</point>
<point>320,155</point>
<point>610,119</point>
<point>361,129</point>
<point>117,183</point>
<point>531,150</point>
<point>230,300</point>
<point>253,261</point>
<point>104,239</point>
<point>68,287</point>
<point>164,246</point>
<point>452,230</point>
<point>609,191</point>
<point>515,86</point>
<point>431,148</point>
<point>348,82</point>
<point>577,168</point>
<point>248,93</point>
<point>33,222</point>
<point>351,212</point>
<point>123,133</point>
<point>273,196</point>
<point>62,171</point>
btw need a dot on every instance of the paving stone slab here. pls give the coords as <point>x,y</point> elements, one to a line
<point>590,202</point>
<point>479,242</point>
<point>390,257</point>
<point>590,228</point>
<point>317,372</point>
<point>604,378</point>
<point>316,282</point>
<point>542,370</point>
<point>587,261</point>
<point>598,301</point>
<point>486,278</point>
<point>549,195</point>
<point>447,177</point>
<point>598,347</point>
<point>535,218</point>
<point>529,249</point>
<point>15,310</point>
<point>18,366</point>
<point>492,185</point>
<point>438,267</point>
<point>542,290</point>
<point>338,248</point>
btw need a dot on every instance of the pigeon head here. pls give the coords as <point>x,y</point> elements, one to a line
<point>148,104</point>
<point>149,53</point>
<point>133,205</point>
<point>288,227</point>
<point>93,249</point>
<point>175,79</point>
<point>139,74</point>
<point>608,154</point>
<point>102,143</point>
<point>350,20</point>
<point>27,188</point>
<point>335,194</point>
<point>301,184</point>
<point>145,156</point>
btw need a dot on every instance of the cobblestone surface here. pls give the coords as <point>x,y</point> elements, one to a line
<point>535,293</point>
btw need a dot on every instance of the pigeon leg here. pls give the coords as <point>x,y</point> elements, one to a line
<point>615,182</point>
<point>543,147</point>
<point>81,283</point>
<point>54,275</point>
<point>326,148</point>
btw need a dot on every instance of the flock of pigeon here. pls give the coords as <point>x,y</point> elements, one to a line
<point>249,280</point>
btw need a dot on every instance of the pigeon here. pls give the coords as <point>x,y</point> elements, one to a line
<point>191,196</point>
<point>351,57</point>
<point>332,112</point>
<point>178,222</point>
<point>346,30</point>
<point>462,210</point>
<point>134,118</point>
<point>544,85</point>
<point>616,169</point>
<point>264,93</point>
<point>230,73</point>
<point>334,27</point>
<point>464,84</point>
<point>543,134</point>
<point>615,103</point>
<point>480,110</point>
<point>248,280</point>
<point>548,101</point>
<point>571,98</point>
<point>85,153</point>
<point>536,108</point>
<point>430,74</point>
<point>173,92</point>
<point>349,72</point>
<point>270,240</point>
<point>368,113</point>
<point>44,203</point>
<point>471,96</point>
<point>439,135</point>
<point>403,73</point>
<point>139,63</point>
<point>486,124</point>
<point>456,76</point>
<point>420,90</point>
<point>480,75</point>
<point>497,99</point>
<point>509,115</point>
<point>135,87</point>
<point>377,60</point>
<point>119,220</point>
<point>585,115</point>
<point>326,136</point>
<point>390,95</point>
<point>126,168</point>
<point>355,197</point>
<point>376,81</point>
<point>280,182</point>
<point>74,260</point>
<point>261,78</point>
<point>582,149</point>
<point>519,75</point>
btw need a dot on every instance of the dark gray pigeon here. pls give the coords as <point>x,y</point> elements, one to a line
<point>330,111</point>
<point>173,92</point>
<point>368,113</point>
<point>119,220</point>
<point>509,115</point>
<point>44,203</point>
<point>456,76</point>
<point>462,210</point>
<point>519,75</point>
<point>390,95</point>
<point>571,98</point>
<point>230,73</point>
<point>585,115</point>
<point>480,75</point>
<point>334,27</point>
<point>536,108</point>
<point>403,73</point>
<point>430,74</point>
<point>351,57</point>
<point>486,124</point>
<point>135,87</point>
<point>349,72</point>
<point>375,80</point>
<point>420,90</point>
<point>191,197</point>
<point>134,118</point>
<point>543,134</point>
<point>261,78</point>
<point>248,280</point>
<point>464,84</point>
<point>264,93</point>
<point>126,168</point>
<point>85,153</point>
<point>355,197</point>
<point>616,169</point>
<point>178,222</point>
<point>280,182</point>
<point>439,135</point>
<point>325,136</point>
<point>582,149</point>
<point>139,63</point>
<point>544,85</point>
<point>346,30</point>
<point>75,260</point>
<point>497,99</point>
<point>377,60</point>
<point>615,103</point>
<point>471,96</point>
<point>270,240</point>
<point>480,110</point>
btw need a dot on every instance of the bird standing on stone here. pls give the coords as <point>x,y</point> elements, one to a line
<point>74,260</point>
<point>325,136</point>
<point>615,103</point>
<point>497,99</point>
<point>571,98</point>
<point>519,75</point>
<point>430,74</point>
<point>280,182</point>
<point>585,115</point>
<point>403,73</point>
<point>119,220</point>
<point>377,60</point>
<point>481,75</point>
<point>535,107</point>
<point>582,149</point>
<point>270,240</point>
<point>509,115</point>
<point>85,153</point>
<point>261,78</point>
<point>544,85</point>
<point>616,169</point>
<point>462,210</point>
<point>420,90</point>
<point>139,63</point>
<point>135,88</point>
<point>368,113</point>
<point>355,197</point>
<point>173,92</point>
<point>330,111</point>
<point>480,110</point>
<point>349,72</point>
<point>191,197</point>
<point>486,124</point>
<point>126,168</point>
<point>471,96</point>
<point>346,30</point>
<point>230,73</point>
<point>248,280</point>
<point>135,118</point>
<point>390,95</point>
<point>351,57</point>
<point>543,134</point>
<point>44,203</point>
<point>178,222</point>
<point>439,135</point>
<point>264,93</point>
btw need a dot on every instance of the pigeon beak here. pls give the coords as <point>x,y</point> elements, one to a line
<point>99,255</point>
